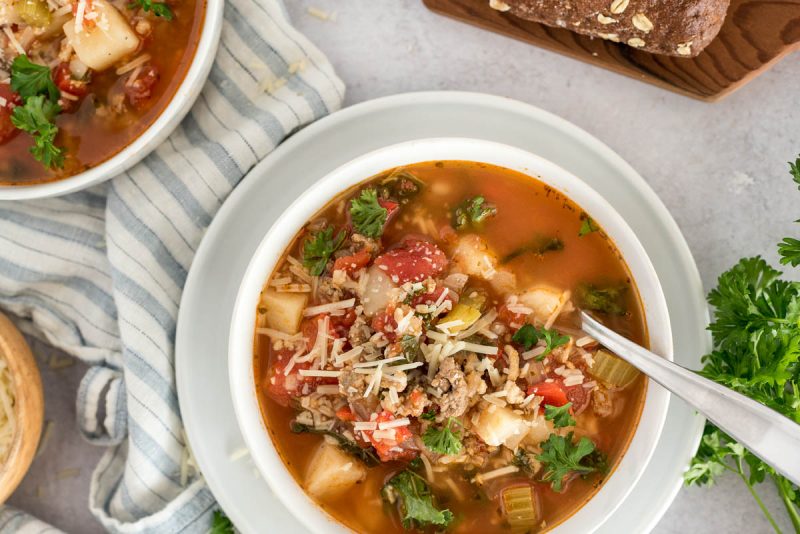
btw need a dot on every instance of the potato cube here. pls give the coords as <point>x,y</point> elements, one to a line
<point>104,39</point>
<point>284,311</point>
<point>498,425</point>
<point>331,471</point>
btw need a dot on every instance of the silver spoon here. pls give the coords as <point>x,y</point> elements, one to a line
<point>766,433</point>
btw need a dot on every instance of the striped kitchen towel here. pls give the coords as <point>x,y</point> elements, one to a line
<point>99,273</point>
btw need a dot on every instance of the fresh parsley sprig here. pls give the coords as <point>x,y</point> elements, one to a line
<point>559,415</point>
<point>367,214</point>
<point>415,501</point>
<point>529,335</point>
<point>444,440</point>
<point>562,457</point>
<point>319,248</point>
<point>159,9</point>
<point>756,336</point>
<point>34,84</point>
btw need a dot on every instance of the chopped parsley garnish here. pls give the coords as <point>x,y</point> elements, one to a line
<point>610,300</point>
<point>529,335</point>
<point>559,415</point>
<point>410,346</point>
<point>539,247</point>
<point>34,84</point>
<point>561,457</point>
<point>587,227</point>
<point>756,338</point>
<point>37,117</point>
<point>220,524</point>
<point>523,461</point>
<point>366,455</point>
<point>428,416</point>
<point>318,249</point>
<point>415,501</point>
<point>367,214</point>
<point>159,9</point>
<point>472,212</point>
<point>444,440</point>
<point>29,79</point>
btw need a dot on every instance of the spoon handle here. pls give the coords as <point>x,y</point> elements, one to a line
<point>766,433</point>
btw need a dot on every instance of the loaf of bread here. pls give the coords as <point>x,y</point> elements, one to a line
<point>673,27</point>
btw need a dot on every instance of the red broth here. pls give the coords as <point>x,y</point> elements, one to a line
<point>536,236</point>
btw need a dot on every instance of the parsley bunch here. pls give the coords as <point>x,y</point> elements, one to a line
<point>319,248</point>
<point>220,524</point>
<point>37,115</point>
<point>756,334</point>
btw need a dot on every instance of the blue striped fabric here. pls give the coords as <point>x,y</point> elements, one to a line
<point>99,273</point>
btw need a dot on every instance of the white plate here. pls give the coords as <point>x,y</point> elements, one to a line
<point>223,255</point>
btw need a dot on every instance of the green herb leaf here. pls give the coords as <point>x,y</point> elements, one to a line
<point>561,457</point>
<point>366,455</point>
<point>415,501</point>
<point>610,300</point>
<point>529,335</point>
<point>472,212</point>
<point>587,227</point>
<point>29,79</point>
<point>410,346</point>
<point>559,415</point>
<point>523,460</point>
<point>318,249</point>
<point>443,440</point>
<point>367,214</point>
<point>220,524</point>
<point>794,170</point>
<point>428,416</point>
<point>159,9</point>
<point>539,247</point>
<point>37,117</point>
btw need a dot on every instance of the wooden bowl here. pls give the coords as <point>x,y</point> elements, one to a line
<point>29,406</point>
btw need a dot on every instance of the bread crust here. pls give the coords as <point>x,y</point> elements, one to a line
<point>672,27</point>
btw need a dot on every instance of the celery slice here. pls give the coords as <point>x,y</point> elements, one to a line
<point>519,508</point>
<point>613,371</point>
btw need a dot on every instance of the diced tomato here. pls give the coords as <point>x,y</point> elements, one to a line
<point>309,329</point>
<point>12,99</point>
<point>140,91</point>
<point>553,393</point>
<point>352,263</point>
<point>63,79</point>
<point>390,206</point>
<point>385,322</point>
<point>283,387</point>
<point>399,448</point>
<point>448,234</point>
<point>429,299</point>
<point>512,319</point>
<point>345,414</point>
<point>413,260</point>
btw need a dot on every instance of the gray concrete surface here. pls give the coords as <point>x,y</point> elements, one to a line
<point>720,169</point>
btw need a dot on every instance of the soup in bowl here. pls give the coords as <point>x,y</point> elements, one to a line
<point>406,352</point>
<point>87,87</point>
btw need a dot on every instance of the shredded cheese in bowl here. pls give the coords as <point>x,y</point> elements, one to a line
<point>8,420</point>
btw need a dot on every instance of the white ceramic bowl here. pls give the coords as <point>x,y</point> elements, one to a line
<point>240,349</point>
<point>167,121</point>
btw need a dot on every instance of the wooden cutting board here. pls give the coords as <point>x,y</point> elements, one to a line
<point>755,35</point>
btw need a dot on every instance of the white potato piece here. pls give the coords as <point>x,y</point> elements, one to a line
<point>107,41</point>
<point>378,291</point>
<point>540,430</point>
<point>504,281</point>
<point>331,471</point>
<point>498,425</point>
<point>8,14</point>
<point>473,256</point>
<point>544,301</point>
<point>284,311</point>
